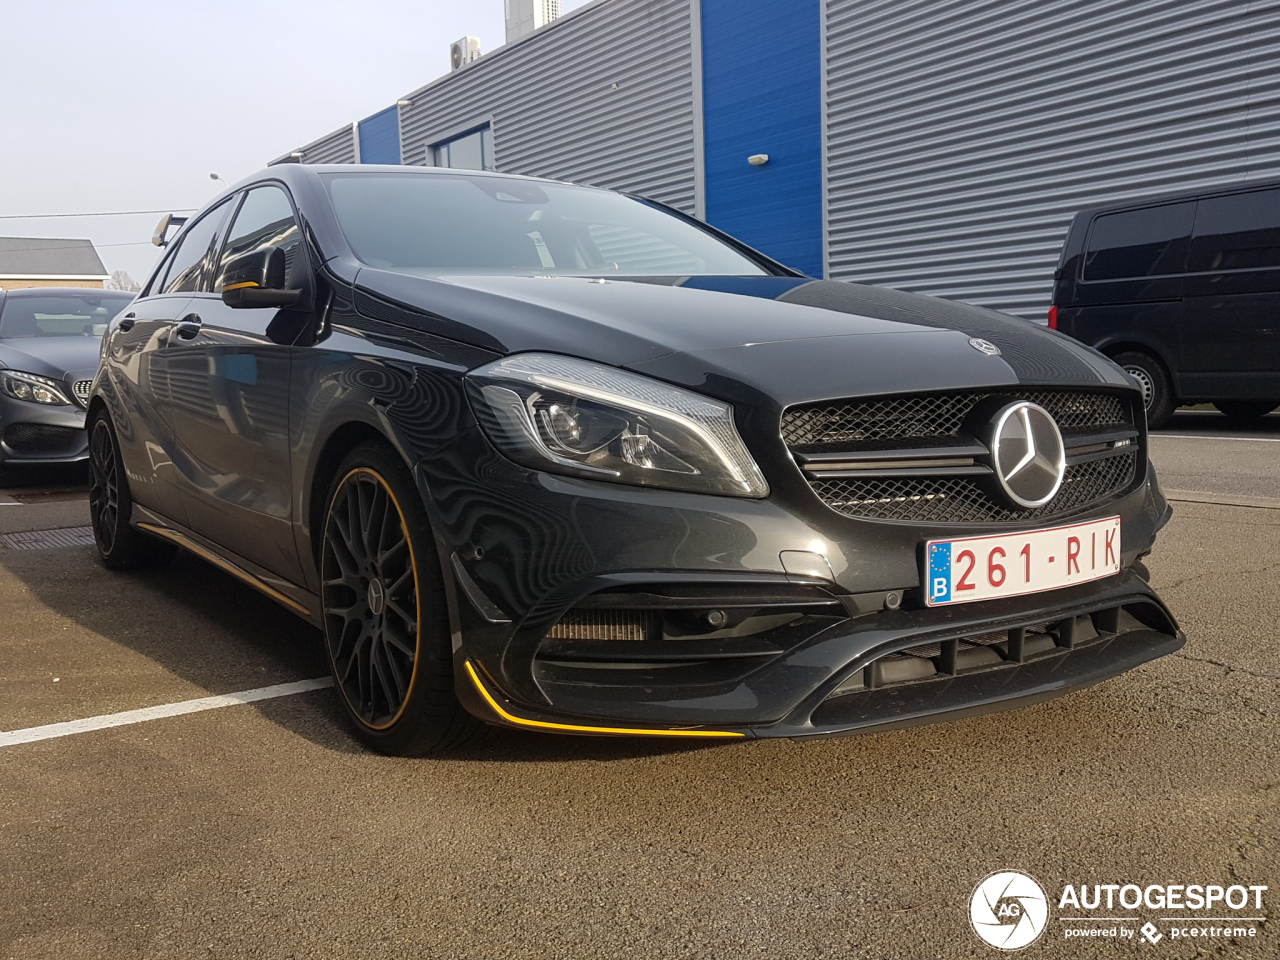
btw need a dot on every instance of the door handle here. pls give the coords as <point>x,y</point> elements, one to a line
<point>189,326</point>
<point>127,321</point>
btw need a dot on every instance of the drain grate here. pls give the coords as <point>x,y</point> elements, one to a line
<point>48,539</point>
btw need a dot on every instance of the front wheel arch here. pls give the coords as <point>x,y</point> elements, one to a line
<point>336,446</point>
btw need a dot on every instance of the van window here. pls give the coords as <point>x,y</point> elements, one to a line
<point>1139,243</point>
<point>1237,232</point>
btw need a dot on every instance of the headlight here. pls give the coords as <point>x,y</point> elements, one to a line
<point>571,416</point>
<point>27,386</point>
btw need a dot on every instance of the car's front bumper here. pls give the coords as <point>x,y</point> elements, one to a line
<point>35,433</point>
<point>522,561</point>
<point>843,680</point>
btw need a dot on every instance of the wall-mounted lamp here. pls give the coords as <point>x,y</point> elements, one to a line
<point>404,103</point>
<point>758,159</point>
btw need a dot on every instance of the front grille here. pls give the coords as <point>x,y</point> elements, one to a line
<point>966,500</point>
<point>44,440</point>
<point>80,390</point>
<point>922,415</point>
<point>937,488</point>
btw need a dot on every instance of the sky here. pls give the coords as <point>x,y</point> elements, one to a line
<point>121,105</point>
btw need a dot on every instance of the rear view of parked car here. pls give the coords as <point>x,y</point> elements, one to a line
<point>49,343</point>
<point>1184,293</point>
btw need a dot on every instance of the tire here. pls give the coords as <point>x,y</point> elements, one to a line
<point>386,625</point>
<point>1157,391</point>
<point>1246,409</point>
<point>120,545</point>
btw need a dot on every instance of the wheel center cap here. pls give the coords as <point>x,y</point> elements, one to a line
<point>377,597</point>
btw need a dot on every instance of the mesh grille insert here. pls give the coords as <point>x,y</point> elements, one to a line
<point>901,423</point>
<point>44,439</point>
<point>917,416</point>
<point>964,499</point>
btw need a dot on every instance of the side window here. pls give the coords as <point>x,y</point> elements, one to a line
<point>186,264</point>
<point>1237,232</point>
<point>1139,243</point>
<point>265,219</point>
<point>157,282</point>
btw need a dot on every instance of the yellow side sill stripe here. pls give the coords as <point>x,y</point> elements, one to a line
<point>545,725</point>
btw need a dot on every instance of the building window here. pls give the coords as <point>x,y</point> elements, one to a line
<point>471,151</point>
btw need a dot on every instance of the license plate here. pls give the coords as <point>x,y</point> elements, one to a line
<point>1008,565</point>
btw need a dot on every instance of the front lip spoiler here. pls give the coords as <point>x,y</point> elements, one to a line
<point>497,712</point>
<point>910,705</point>
<point>891,708</point>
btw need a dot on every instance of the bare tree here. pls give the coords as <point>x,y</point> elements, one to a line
<point>120,280</point>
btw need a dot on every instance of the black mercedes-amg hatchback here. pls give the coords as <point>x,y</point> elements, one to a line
<point>548,456</point>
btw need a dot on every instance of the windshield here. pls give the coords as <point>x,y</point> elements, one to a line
<point>451,223</point>
<point>70,315</point>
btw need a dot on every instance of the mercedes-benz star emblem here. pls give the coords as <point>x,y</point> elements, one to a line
<point>1027,453</point>
<point>984,346</point>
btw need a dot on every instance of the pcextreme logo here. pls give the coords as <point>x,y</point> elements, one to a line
<point>1009,910</point>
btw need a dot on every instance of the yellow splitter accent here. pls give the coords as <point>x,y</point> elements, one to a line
<point>545,725</point>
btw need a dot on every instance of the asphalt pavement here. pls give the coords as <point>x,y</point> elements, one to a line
<point>264,830</point>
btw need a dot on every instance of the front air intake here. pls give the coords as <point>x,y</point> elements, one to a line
<point>605,624</point>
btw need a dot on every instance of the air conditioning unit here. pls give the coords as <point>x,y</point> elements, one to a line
<point>464,51</point>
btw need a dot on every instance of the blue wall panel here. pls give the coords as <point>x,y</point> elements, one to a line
<point>380,137</point>
<point>761,93</point>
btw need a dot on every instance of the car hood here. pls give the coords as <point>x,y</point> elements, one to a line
<point>791,339</point>
<point>55,357</point>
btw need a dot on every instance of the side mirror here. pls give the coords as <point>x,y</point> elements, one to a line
<point>257,279</point>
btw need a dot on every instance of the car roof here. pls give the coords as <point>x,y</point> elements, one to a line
<point>67,291</point>
<point>293,172</point>
<point>1245,186</point>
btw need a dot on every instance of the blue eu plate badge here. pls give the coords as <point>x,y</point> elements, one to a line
<point>939,572</point>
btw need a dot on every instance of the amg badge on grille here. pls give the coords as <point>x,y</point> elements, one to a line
<point>1027,453</point>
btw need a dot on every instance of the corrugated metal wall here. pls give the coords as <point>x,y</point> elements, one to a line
<point>963,134</point>
<point>603,96</point>
<point>337,147</point>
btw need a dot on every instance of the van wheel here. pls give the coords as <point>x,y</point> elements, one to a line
<point>386,625</point>
<point>111,503</point>
<point>1246,409</point>
<point>1157,393</point>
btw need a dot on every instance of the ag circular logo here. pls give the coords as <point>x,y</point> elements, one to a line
<point>1028,454</point>
<point>1008,910</point>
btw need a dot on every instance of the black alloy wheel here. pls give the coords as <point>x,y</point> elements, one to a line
<point>120,545</point>
<point>1246,409</point>
<point>1157,391</point>
<point>385,620</point>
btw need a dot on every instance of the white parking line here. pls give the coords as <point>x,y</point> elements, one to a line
<point>53,730</point>
<point>1195,436</point>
